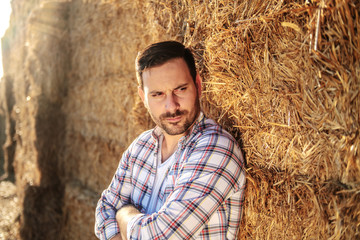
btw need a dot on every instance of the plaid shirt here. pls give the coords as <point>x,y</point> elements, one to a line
<point>201,196</point>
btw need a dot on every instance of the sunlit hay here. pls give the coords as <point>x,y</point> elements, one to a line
<point>101,91</point>
<point>295,111</point>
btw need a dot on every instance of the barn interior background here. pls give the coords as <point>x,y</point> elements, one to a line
<point>282,76</point>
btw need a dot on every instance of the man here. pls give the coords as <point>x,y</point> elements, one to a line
<point>185,178</point>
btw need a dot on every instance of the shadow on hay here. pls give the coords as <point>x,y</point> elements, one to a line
<point>42,206</point>
<point>7,131</point>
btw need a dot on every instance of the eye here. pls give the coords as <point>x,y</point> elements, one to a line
<point>156,94</point>
<point>181,89</point>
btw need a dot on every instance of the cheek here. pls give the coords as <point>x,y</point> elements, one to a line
<point>154,107</point>
<point>190,100</point>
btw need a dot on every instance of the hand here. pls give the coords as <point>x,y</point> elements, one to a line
<point>123,217</point>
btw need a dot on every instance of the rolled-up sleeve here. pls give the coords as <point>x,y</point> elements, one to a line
<point>112,199</point>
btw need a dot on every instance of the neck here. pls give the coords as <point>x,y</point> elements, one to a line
<point>170,142</point>
<point>169,146</point>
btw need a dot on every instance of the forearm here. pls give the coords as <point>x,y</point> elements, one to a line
<point>117,237</point>
<point>112,199</point>
<point>105,223</point>
<point>106,226</point>
<point>123,217</point>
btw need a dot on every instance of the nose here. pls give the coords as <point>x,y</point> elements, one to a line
<point>171,103</point>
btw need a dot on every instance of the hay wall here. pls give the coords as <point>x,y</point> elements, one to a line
<point>36,62</point>
<point>281,76</point>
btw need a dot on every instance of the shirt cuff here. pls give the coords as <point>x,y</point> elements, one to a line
<point>131,224</point>
<point>110,230</point>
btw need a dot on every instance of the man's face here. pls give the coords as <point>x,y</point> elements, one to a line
<point>171,96</point>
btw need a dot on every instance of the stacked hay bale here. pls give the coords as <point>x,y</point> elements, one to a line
<point>99,100</point>
<point>282,77</point>
<point>285,79</point>
<point>36,62</point>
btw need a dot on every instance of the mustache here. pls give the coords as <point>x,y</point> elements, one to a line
<point>173,115</point>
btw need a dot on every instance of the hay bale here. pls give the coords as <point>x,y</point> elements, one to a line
<point>99,102</point>
<point>293,110</point>
<point>8,211</point>
<point>79,207</point>
<point>38,50</point>
<point>100,93</point>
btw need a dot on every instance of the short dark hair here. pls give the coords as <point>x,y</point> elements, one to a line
<point>158,53</point>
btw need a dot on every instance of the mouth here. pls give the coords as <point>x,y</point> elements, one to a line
<point>174,119</point>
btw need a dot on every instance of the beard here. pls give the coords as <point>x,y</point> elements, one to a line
<point>177,128</point>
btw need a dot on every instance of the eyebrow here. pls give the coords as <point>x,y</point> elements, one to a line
<point>178,87</point>
<point>182,85</point>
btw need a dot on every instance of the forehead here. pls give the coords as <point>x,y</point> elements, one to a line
<point>171,73</point>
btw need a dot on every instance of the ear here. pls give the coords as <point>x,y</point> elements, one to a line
<point>198,82</point>
<point>141,94</point>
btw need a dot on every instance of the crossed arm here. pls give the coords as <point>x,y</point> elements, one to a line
<point>123,217</point>
<point>210,176</point>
